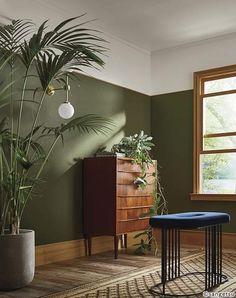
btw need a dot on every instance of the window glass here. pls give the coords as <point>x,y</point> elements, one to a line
<point>219,114</point>
<point>220,85</point>
<point>218,174</point>
<point>219,143</point>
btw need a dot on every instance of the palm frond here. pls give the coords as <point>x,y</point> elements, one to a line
<point>85,55</point>
<point>5,93</point>
<point>36,129</point>
<point>63,38</point>
<point>3,124</point>
<point>62,34</point>
<point>5,89</point>
<point>4,59</point>
<point>5,96</point>
<point>38,152</point>
<point>54,67</point>
<point>23,159</point>
<point>32,48</point>
<point>89,123</point>
<point>12,35</point>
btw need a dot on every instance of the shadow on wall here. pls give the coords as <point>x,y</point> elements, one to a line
<point>62,196</point>
<point>56,215</point>
<point>58,200</point>
<point>77,145</point>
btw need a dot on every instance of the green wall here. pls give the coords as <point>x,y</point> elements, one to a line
<point>56,212</point>
<point>172,129</point>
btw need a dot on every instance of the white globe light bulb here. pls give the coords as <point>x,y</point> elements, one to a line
<point>66,110</point>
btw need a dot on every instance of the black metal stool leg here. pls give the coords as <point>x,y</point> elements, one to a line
<point>218,253</point>
<point>220,261</point>
<point>213,257</point>
<point>178,233</point>
<point>176,252</point>
<point>163,259</point>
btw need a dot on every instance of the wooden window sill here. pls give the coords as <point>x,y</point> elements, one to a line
<point>212,197</point>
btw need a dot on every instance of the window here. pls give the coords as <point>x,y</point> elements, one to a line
<point>215,134</point>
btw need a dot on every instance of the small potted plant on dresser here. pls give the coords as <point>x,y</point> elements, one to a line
<point>50,58</point>
<point>138,147</point>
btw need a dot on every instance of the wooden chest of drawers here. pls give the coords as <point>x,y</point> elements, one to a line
<point>112,202</point>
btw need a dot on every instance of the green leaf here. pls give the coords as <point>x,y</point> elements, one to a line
<point>89,123</point>
<point>23,159</point>
<point>63,23</point>
<point>25,187</point>
<point>39,153</point>
<point>145,214</point>
<point>36,129</point>
<point>140,251</point>
<point>11,36</point>
<point>3,123</point>
<point>140,234</point>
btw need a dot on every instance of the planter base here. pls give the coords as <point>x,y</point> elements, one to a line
<point>17,260</point>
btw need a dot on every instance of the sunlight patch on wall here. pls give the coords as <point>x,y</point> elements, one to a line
<point>79,146</point>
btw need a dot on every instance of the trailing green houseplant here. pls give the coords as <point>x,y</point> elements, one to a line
<point>138,147</point>
<point>48,57</point>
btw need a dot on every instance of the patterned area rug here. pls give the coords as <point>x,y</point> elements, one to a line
<point>136,283</point>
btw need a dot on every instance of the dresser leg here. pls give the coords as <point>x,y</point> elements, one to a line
<point>116,243</point>
<point>150,240</point>
<point>121,241</point>
<point>125,240</point>
<point>89,238</point>
<point>85,245</point>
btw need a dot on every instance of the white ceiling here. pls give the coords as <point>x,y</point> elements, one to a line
<point>148,24</point>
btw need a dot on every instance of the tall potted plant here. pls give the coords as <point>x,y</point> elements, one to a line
<point>50,57</point>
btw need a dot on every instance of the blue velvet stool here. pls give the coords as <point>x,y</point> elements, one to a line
<point>170,226</point>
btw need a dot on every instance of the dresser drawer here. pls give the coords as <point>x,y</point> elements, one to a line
<point>123,227</point>
<point>125,178</point>
<point>133,190</point>
<point>124,202</point>
<point>127,165</point>
<point>130,213</point>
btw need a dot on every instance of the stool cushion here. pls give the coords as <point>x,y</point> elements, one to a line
<point>189,220</point>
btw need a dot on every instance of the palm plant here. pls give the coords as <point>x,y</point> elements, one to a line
<point>49,57</point>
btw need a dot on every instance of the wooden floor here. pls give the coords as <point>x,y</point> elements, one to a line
<point>69,274</point>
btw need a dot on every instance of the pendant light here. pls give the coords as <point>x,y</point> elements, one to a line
<point>66,110</point>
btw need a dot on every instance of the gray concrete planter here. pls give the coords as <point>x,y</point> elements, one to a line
<point>17,260</point>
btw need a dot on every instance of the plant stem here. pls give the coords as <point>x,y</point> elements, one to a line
<point>35,120</point>
<point>5,216</point>
<point>11,117</point>
<point>5,161</point>
<point>22,179</point>
<point>20,113</point>
<point>39,172</point>
<point>14,164</point>
<point>21,105</point>
<point>47,156</point>
<point>1,179</point>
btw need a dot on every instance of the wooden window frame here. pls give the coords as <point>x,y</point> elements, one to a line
<point>200,78</point>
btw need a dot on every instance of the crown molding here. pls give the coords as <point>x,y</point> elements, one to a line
<point>195,43</point>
